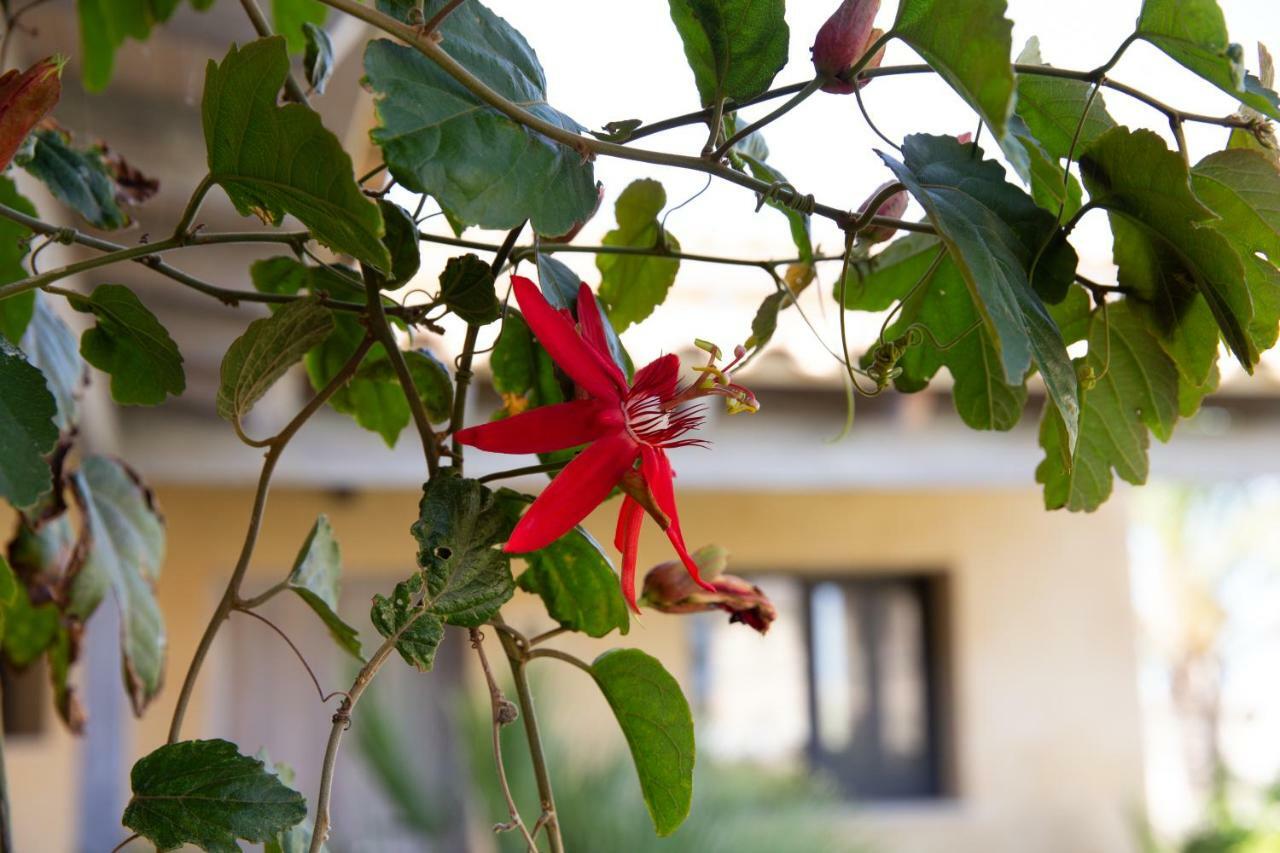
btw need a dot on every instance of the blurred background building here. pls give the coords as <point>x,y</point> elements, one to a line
<point>953,669</point>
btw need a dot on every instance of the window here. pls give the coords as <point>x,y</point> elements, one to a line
<point>850,682</point>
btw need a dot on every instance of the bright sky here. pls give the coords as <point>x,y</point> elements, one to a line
<point>823,147</point>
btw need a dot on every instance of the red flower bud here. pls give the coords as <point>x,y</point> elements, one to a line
<point>842,41</point>
<point>25,99</point>
<point>567,237</point>
<point>894,207</point>
<point>669,588</point>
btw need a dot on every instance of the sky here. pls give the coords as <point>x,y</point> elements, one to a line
<point>630,64</point>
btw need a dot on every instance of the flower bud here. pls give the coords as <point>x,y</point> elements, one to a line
<point>894,207</point>
<point>842,41</point>
<point>669,589</point>
<point>25,99</point>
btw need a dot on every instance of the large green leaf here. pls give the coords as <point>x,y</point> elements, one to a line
<point>289,17</point>
<point>573,577</point>
<point>1243,188</point>
<point>76,177</point>
<point>267,349</point>
<point>404,617</point>
<point>458,525</point>
<point>204,792</point>
<point>1147,189</point>
<point>15,312</point>
<point>126,549</point>
<point>734,47</point>
<point>274,160</point>
<point>316,578</point>
<point>943,311</point>
<point>51,346</point>
<point>430,380</point>
<point>1052,108</point>
<point>438,138</point>
<point>129,343</point>
<point>631,286</point>
<point>658,726</point>
<point>992,231</point>
<point>1194,34</point>
<point>968,42</point>
<point>27,429</point>
<point>1133,389</point>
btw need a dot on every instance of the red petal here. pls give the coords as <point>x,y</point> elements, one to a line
<point>591,322</point>
<point>658,476</point>
<point>578,489</point>
<point>546,428</point>
<point>557,335</point>
<point>630,517</point>
<point>659,377</point>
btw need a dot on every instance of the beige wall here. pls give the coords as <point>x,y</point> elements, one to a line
<point>1041,646</point>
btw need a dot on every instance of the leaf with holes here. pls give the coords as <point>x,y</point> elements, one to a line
<point>439,138</point>
<point>273,160</point>
<point>631,286</point>
<point>316,578</point>
<point>655,719</point>
<point>734,47</point>
<point>1194,34</point>
<point>403,616</point>
<point>27,429</point>
<point>969,44</point>
<point>458,526</point>
<point>1133,389</point>
<point>267,349</point>
<point>129,343</point>
<point>204,792</point>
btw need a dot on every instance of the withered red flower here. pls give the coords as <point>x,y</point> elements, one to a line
<point>845,37</point>
<point>668,588</point>
<point>621,423</point>
<point>26,98</point>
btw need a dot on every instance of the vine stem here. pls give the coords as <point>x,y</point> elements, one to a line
<point>264,30</point>
<point>231,597</point>
<point>544,468</point>
<point>462,376</point>
<point>180,231</point>
<point>794,101</point>
<point>502,710</point>
<point>381,329</point>
<point>584,145</point>
<point>517,656</point>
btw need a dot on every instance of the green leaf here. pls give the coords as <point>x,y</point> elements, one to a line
<point>417,632</point>
<point>76,177</point>
<point>658,726</point>
<point>401,241</point>
<point>297,838</point>
<point>969,44</point>
<point>1052,108</point>
<point>126,548</point>
<point>734,47</point>
<point>1136,390</point>
<point>29,630</point>
<point>992,230</point>
<point>438,138</point>
<point>1194,34</point>
<point>51,347</point>
<point>1073,315</point>
<point>458,525</point>
<point>765,323</point>
<point>27,429</point>
<point>15,312</point>
<point>572,576</point>
<point>944,307</point>
<point>1147,189</point>
<point>274,160</point>
<point>1243,188</point>
<point>204,792</point>
<point>512,362</point>
<point>290,18</point>
<point>289,276</point>
<point>129,343</point>
<point>318,56</point>
<point>631,286</point>
<point>467,288</point>
<point>430,379</point>
<point>104,26</point>
<point>8,590</point>
<point>265,352</point>
<point>316,578</point>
